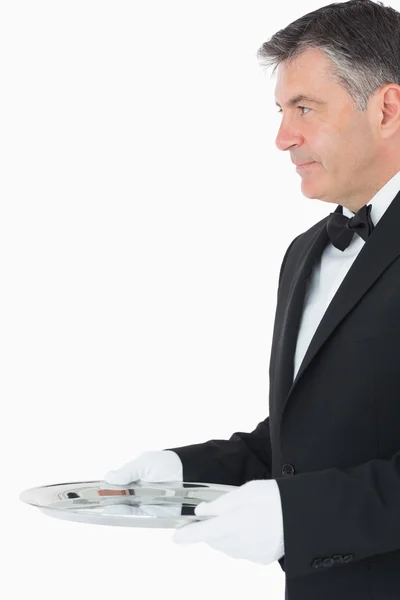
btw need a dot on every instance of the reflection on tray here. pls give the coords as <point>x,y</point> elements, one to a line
<point>149,499</point>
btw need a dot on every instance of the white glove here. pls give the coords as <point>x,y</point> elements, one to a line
<point>153,465</point>
<point>248,523</point>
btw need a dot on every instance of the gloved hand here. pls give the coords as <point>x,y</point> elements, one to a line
<point>248,523</point>
<point>153,465</point>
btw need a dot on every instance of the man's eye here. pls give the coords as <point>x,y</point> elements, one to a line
<point>306,107</point>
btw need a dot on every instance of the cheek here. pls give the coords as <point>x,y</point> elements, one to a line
<point>337,152</point>
<point>323,142</point>
<point>354,145</point>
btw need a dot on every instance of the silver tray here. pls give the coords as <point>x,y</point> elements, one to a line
<point>137,504</point>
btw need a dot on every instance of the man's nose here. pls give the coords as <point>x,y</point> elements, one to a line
<point>287,137</point>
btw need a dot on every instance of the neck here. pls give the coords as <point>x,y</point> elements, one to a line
<point>364,195</point>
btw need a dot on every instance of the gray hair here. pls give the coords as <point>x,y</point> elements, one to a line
<point>360,37</point>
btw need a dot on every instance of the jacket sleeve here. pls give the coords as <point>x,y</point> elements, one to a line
<point>245,456</point>
<point>335,516</point>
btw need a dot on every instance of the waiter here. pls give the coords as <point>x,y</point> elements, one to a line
<point>320,477</point>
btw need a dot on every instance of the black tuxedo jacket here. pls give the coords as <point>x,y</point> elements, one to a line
<point>332,438</point>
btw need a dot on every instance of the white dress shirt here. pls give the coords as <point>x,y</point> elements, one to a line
<point>326,277</point>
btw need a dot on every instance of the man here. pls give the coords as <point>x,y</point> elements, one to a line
<point>320,477</point>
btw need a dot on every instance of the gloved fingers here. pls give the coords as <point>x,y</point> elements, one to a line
<point>126,474</point>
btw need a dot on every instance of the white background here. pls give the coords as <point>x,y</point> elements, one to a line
<point>145,213</point>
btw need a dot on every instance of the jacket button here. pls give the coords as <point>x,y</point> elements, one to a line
<point>317,563</point>
<point>328,562</point>
<point>348,558</point>
<point>287,470</point>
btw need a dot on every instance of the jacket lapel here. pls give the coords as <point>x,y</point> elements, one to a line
<point>381,249</point>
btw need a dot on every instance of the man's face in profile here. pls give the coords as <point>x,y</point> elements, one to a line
<point>329,131</point>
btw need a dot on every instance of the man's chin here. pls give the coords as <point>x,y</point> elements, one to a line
<point>309,192</point>
<point>315,194</point>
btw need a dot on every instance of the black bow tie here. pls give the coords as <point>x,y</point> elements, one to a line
<point>341,229</point>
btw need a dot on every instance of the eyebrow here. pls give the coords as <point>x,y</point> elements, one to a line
<point>302,98</point>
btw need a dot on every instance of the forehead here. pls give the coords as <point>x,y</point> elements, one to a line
<point>305,78</point>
